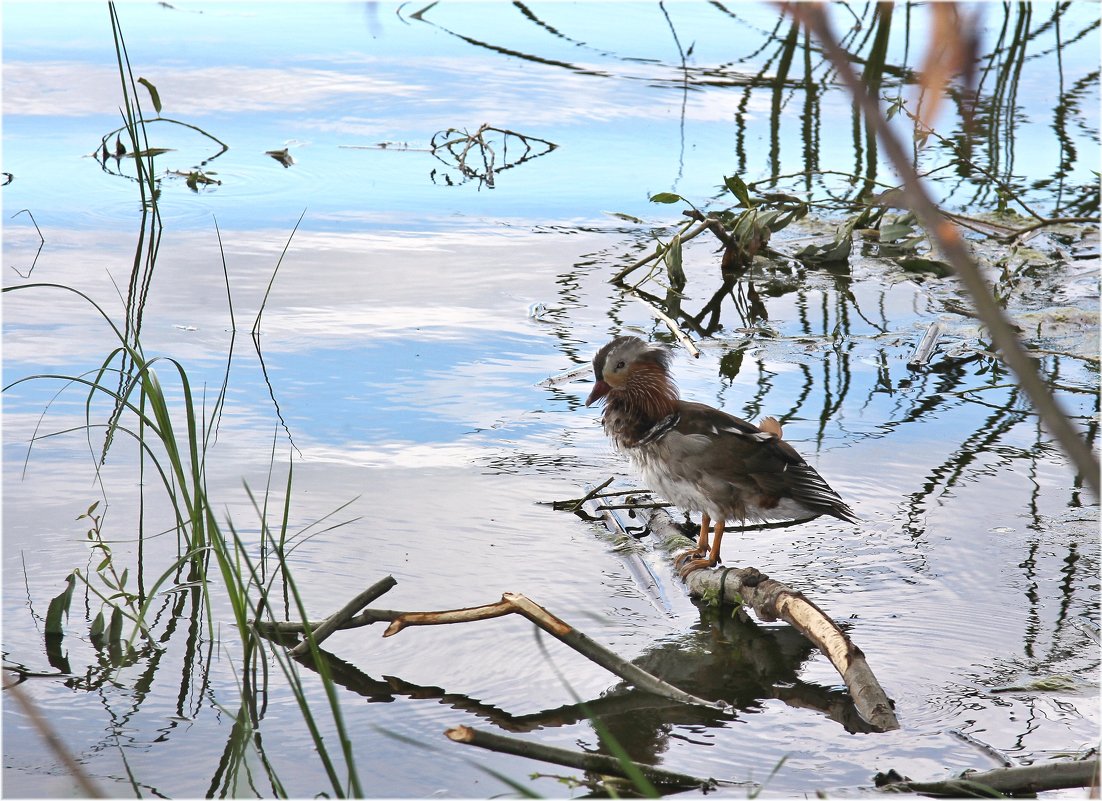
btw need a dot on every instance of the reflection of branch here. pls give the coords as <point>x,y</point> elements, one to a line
<point>465,144</point>
<point>510,603</point>
<point>955,251</point>
<point>256,330</point>
<point>102,153</point>
<point>41,242</point>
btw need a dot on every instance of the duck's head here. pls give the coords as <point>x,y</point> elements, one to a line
<point>629,367</point>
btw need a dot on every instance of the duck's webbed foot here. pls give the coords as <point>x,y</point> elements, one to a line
<point>693,565</point>
<point>693,555</point>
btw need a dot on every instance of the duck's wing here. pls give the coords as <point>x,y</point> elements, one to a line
<point>739,453</point>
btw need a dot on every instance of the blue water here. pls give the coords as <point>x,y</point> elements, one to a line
<point>404,387</point>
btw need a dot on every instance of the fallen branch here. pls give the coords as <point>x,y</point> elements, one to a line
<point>772,600</point>
<point>512,602</point>
<point>593,763</point>
<point>1029,779</point>
<point>343,615</point>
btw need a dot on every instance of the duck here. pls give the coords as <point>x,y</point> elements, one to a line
<point>701,459</point>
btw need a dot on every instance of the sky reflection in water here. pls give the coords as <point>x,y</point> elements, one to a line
<point>400,350</point>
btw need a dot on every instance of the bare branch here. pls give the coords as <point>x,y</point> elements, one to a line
<point>593,763</point>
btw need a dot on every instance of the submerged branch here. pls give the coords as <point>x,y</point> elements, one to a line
<point>580,760</point>
<point>1029,779</point>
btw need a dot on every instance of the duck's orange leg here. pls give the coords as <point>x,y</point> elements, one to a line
<point>701,549</point>
<point>712,558</point>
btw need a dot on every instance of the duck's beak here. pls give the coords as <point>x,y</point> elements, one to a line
<point>600,389</point>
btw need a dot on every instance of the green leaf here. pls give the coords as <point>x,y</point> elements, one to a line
<point>737,187</point>
<point>98,625</point>
<point>153,94</point>
<point>59,607</point>
<point>115,631</point>
<point>895,231</point>
<point>674,265</point>
<point>667,197</point>
<point>836,251</point>
<point>915,264</point>
<point>152,151</point>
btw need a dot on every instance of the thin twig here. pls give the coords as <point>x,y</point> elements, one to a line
<point>573,504</point>
<point>1043,223</point>
<point>671,323</point>
<point>619,277</point>
<point>655,505</point>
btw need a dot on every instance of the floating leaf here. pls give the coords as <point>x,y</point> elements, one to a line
<point>152,151</point>
<point>627,217</point>
<point>836,251</point>
<point>915,264</point>
<point>282,156</point>
<point>893,232</point>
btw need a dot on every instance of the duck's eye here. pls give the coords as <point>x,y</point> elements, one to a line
<point>620,365</point>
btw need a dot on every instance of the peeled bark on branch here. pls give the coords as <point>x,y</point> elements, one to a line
<point>772,600</point>
<point>512,602</point>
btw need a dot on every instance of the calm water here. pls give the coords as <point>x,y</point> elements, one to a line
<point>409,371</point>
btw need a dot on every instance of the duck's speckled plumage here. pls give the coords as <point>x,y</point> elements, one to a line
<point>699,458</point>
